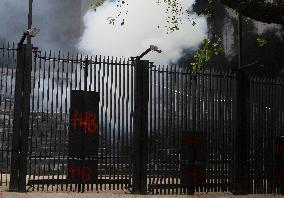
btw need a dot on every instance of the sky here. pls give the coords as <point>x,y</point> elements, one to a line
<point>54,18</point>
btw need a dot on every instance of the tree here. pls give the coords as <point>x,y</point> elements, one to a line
<point>260,10</point>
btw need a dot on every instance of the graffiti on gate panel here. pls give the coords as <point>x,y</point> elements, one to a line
<point>87,120</point>
<point>279,162</point>
<point>82,171</point>
<point>193,159</point>
<point>83,134</point>
<point>83,137</point>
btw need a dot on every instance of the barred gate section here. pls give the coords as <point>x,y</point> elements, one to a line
<point>7,86</point>
<point>53,77</point>
<point>191,139</point>
<point>266,123</point>
<point>193,108</point>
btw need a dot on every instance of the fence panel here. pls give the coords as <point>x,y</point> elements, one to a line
<point>196,109</point>
<point>191,139</point>
<point>7,87</point>
<point>266,123</point>
<point>53,77</point>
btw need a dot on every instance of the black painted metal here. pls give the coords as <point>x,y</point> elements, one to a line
<point>180,101</point>
<point>140,135</point>
<point>21,121</point>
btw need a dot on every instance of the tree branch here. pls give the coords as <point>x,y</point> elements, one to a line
<point>260,11</point>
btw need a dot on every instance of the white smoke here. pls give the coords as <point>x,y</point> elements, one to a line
<point>144,25</point>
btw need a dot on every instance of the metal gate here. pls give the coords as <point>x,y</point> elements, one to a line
<point>53,78</point>
<point>191,136</point>
<point>161,130</point>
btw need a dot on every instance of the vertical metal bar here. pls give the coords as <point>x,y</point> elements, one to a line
<point>32,135</point>
<point>125,144</point>
<point>177,109</point>
<point>108,119</point>
<point>129,120</point>
<point>159,128</point>
<point>207,127</point>
<point>203,123</point>
<point>231,138</point>
<point>211,132</point>
<point>150,142</point>
<point>105,106</point>
<point>163,142</point>
<point>219,132</point>
<point>101,134</point>
<point>119,115</point>
<point>112,121</point>
<point>122,76</point>
<point>214,143</point>
<point>86,74</point>
<point>60,151</point>
<point>155,136</point>
<point>252,134</point>
<point>265,138</point>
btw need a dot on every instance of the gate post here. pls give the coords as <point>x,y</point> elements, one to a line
<point>241,124</point>
<point>140,136</point>
<point>21,119</point>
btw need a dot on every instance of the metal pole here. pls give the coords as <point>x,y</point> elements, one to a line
<point>240,34</point>
<point>241,169</point>
<point>86,74</point>
<point>140,138</point>
<point>30,20</point>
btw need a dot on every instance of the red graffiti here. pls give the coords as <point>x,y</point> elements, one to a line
<point>192,140</point>
<point>1,195</point>
<point>83,172</point>
<point>195,174</point>
<point>89,121</point>
<point>280,149</point>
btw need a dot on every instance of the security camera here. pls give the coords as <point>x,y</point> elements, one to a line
<point>33,32</point>
<point>155,48</point>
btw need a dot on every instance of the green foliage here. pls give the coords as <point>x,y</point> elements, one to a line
<point>111,20</point>
<point>261,41</point>
<point>206,53</point>
<point>96,3</point>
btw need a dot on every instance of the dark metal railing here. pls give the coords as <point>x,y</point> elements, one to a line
<point>181,102</point>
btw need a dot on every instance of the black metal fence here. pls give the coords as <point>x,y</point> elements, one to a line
<point>53,79</point>
<point>191,138</point>
<point>7,88</point>
<point>198,105</point>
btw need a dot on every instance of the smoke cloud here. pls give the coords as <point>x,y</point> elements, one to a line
<point>59,22</point>
<point>139,24</point>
